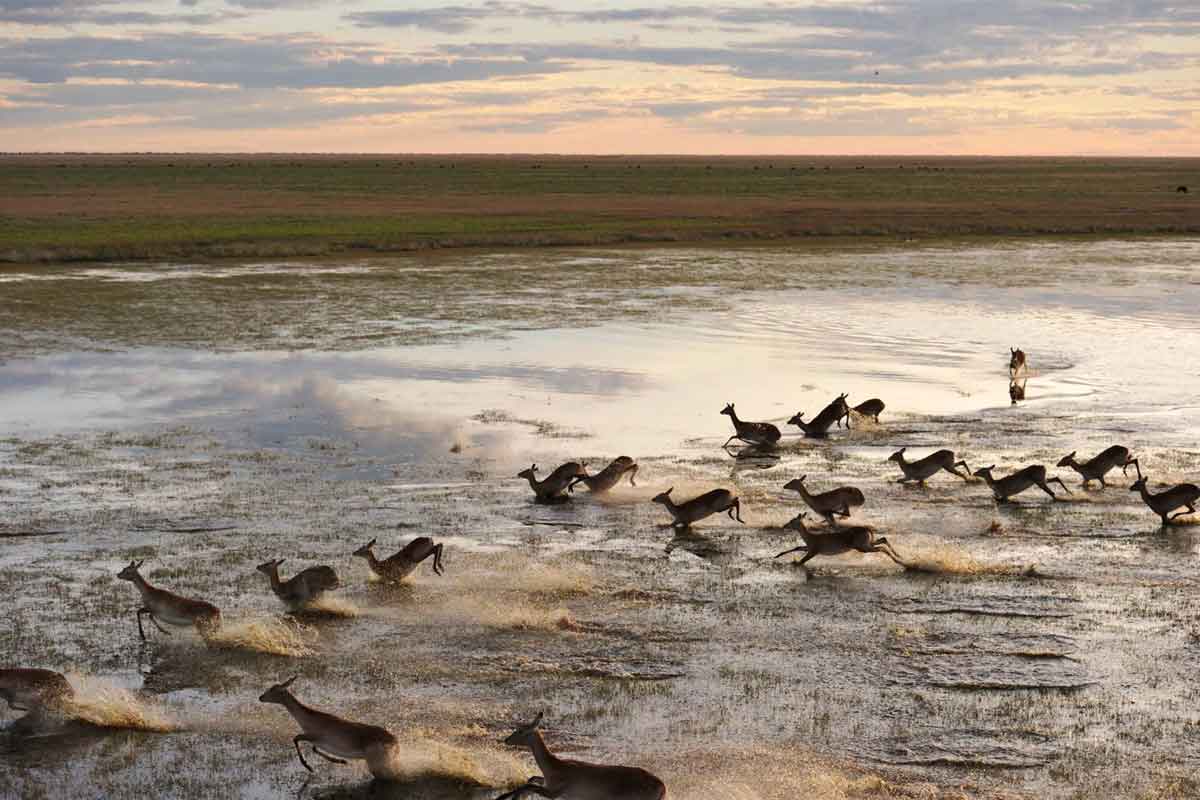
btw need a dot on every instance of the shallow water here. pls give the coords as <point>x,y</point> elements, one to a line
<point>208,418</point>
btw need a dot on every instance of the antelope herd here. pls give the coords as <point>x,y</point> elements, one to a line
<point>335,739</point>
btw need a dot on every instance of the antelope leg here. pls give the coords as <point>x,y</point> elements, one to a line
<point>160,627</point>
<point>793,550</point>
<point>1063,485</point>
<point>301,738</point>
<point>327,757</point>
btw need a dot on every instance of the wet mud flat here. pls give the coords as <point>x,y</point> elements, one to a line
<point>1034,649</point>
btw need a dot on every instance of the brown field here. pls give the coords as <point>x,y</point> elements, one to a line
<point>93,207</point>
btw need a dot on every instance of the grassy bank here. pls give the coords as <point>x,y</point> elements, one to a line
<point>60,208</point>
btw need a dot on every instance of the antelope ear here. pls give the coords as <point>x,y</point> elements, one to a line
<point>902,449</point>
<point>288,682</point>
<point>1013,350</point>
<point>668,491</point>
<point>280,561</point>
<point>138,565</point>
<point>537,722</point>
<point>801,478</point>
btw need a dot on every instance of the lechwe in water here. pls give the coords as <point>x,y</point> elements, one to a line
<point>333,738</point>
<point>1016,362</point>
<point>818,428</point>
<point>550,489</point>
<point>868,408</point>
<point>397,567</point>
<point>608,477</point>
<point>696,509</point>
<point>1101,465</point>
<point>34,690</point>
<point>1183,495</point>
<point>568,778</point>
<point>164,607</point>
<point>302,588</point>
<point>836,501</point>
<point>1010,485</point>
<point>836,541</point>
<point>752,433</point>
<point>927,467</point>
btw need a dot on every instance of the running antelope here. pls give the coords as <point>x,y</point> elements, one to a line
<point>563,777</point>
<point>698,508</point>
<point>34,690</point>
<point>836,501</point>
<point>926,467</point>
<point>608,477</point>
<point>753,433</point>
<point>1181,495</point>
<point>163,606</point>
<point>838,541</point>
<point>1016,362</point>
<point>1019,481</point>
<point>1098,467</point>
<point>333,738</point>
<point>397,567</point>
<point>303,587</point>
<point>550,489</point>
<point>868,408</point>
<point>819,427</point>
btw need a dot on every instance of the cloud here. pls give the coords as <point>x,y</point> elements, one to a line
<point>97,12</point>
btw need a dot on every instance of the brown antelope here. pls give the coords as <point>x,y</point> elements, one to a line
<point>1098,467</point>
<point>1181,495</point>
<point>926,467</point>
<point>163,606</point>
<point>837,541</point>
<point>1016,362</point>
<point>332,738</point>
<point>819,427</point>
<point>550,489</point>
<point>563,777</point>
<point>608,477</point>
<point>753,433</point>
<point>303,587</point>
<point>397,567</point>
<point>836,501</point>
<point>34,690</point>
<point>1019,481</point>
<point>868,408</point>
<point>698,508</point>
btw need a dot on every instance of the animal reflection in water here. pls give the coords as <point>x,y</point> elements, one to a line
<point>1016,391</point>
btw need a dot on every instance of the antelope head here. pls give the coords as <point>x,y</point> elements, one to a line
<point>130,573</point>
<point>663,497</point>
<point>365,550</point>
<point>797,419</point>
<point>898,456</point>
<point>985,472</point>
<point>1139,484</point>
<point>728,409</point>
<point>524,735</point>
<point>796,523</point>
<point>529,474</point>
<point>795,484</point>
<point>278,692</point>
<point>1068,460</point>
<point>269,567</point>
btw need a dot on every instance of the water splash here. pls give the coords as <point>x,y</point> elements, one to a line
<point>507,612</point>
<point>99,703</point>
<point>271,635</point>
<point>333,606</point>
<point>417,756</point>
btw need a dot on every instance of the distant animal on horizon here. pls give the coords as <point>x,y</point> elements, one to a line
<point>568,778</point>
<point>550,489</point>
<point>1016,362</point>
<point>753,433</point>
<point>163,606</point>
<point>303,587</point>
<point>1101,465</point>
<point>400,565</point>
<point>1181,189</point>
<point>1182,495</point>
<point>608,477</point>
<point>818,428</point>
<point>1010,485</point>
<point>696,509</point>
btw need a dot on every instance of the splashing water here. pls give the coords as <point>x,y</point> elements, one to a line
<point>269,635</point>
<point>416,757</point>
<point>333,606</point>
<point>507,612</point>
<point>104,705</point>
<point>950,560</point>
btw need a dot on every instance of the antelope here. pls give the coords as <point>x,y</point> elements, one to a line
<point>1016,391</point>
<point>163,606</point>
<point>926,467</point>
<point>563,777</point>
<point>1163,503</point>
<point>819,427</point>
<point>397,567</point>
<point>550,489</point>
<point>836,501</point>
<point>754,433</point>
<point>332,738</point>
<point>1098,467</point>
<point>838,541</point>
<point>608,477</point>
<point>868,408</point>
<point>34,690</point>
<point>698,508</point>
<point>1016,362</point>
<point>303,587</point>
<point>1019,481</point>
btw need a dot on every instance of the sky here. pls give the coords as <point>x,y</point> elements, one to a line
<point>921,77</point>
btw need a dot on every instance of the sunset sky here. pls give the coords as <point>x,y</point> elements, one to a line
<point>1112,77</point>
